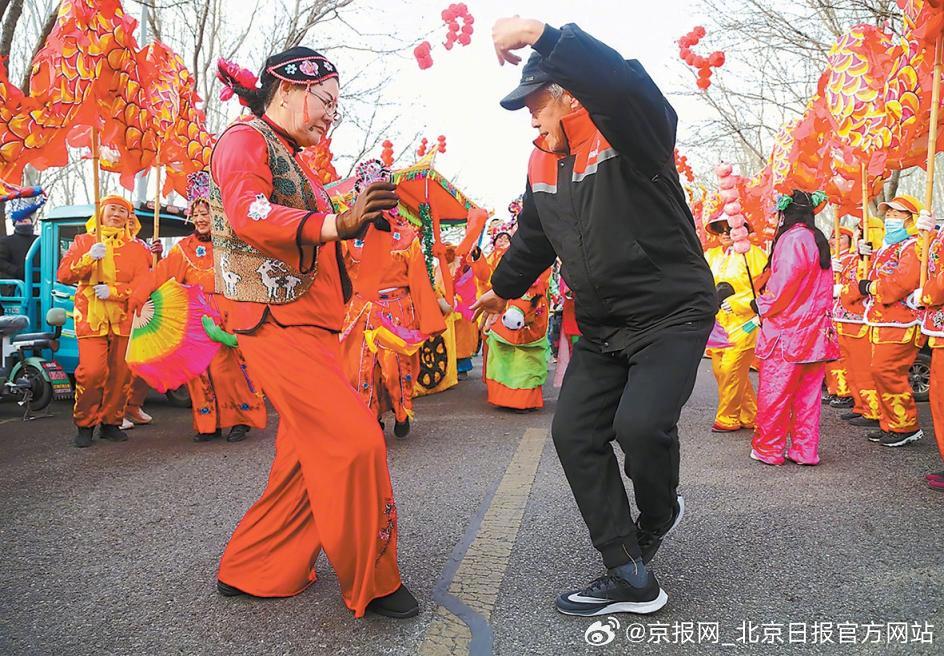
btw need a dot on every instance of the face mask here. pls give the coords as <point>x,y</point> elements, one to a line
<point>895,231</point>
<point>23,228</point>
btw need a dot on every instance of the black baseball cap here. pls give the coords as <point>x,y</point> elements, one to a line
<point>533,77</point>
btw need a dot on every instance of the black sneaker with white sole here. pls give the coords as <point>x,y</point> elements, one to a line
<point>876,435</point>
<point>649,540</point>
<point>613,594</point>
<point>901,439</point>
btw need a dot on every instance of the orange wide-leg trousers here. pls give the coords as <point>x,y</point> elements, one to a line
<point>329,486</point>
<point>224,395</point>
<point>102,381</point>
<point>890,365</point>
<point>856,353</point>
<point>937,396</point>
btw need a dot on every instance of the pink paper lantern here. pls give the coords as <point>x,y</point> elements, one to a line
<point>729,195</point>
<point>741,247</point>
<point>723,170</point>
<point>728,183</point>
<point>733,208</point>
<point>739,233</point>
<point>736,220</point>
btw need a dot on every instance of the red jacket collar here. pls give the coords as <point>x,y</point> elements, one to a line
<point>578,128</point>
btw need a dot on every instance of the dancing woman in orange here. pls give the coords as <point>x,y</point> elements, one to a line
<point>383,375</point>
<point>278,260</point>
<point>224,394</point>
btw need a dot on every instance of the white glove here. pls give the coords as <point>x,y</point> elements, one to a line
<point>926,221</point>
<point>102,292</point>
<point>837,265</point>
<point>726,305</point>
<point>513,319</point>
<point>914,300</point>
<point>865,248</point>
<point>97,251</point>
<point>837,290</point>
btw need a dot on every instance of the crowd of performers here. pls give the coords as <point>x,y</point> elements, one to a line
<point>848,319</point>
<point>116,275</point>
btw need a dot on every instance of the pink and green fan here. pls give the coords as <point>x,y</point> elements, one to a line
<point>168,345</point>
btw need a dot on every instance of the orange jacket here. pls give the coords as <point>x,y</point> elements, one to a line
<point>190,262</point>
<point>896,271</point>
<point>850,306</point>
<point>132,265</point>
<point>240,166</point>
<point>933,294</point>
<point>407,270</point>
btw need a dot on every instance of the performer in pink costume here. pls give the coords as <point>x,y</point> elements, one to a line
<point>797,336</point>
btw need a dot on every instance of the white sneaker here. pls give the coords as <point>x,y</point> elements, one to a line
<point>126,424</point>
<point>139,416</point>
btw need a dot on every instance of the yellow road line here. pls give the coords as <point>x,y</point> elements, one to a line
<point>479,575</point>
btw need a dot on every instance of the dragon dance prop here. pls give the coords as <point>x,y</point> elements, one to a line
<point>169,345</point>
<point>91,79</point>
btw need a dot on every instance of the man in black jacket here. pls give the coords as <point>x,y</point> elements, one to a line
<point>13,248</point>
<point>603,195</point>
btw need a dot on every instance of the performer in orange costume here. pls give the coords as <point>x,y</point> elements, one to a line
<point>104,272</point>
<point>224,394</point>
<point>855,345</point>
<point>894,325</point>
<point>838,392</point>
<point>932,297</point>
<point>383,378</point>
<point>274,241</point>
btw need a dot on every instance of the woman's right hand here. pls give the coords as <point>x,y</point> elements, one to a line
<point>377,198</point>
<point>97,251</point>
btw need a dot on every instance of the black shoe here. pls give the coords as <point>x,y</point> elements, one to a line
<point>402,429</point>
<point>399,604</point>
<point>876,435</point>
<point>83,438</point>
<point>827,398</point>
<point>237,433</point>
<point>112,433</point>
<point>650,541</point>
<point>206,437</point>
<point>864,422</point>
<point>841,402</point>
<point>901,439</point>
<point>228,590</point>
<point>613,594</point>
<point>849,416</point>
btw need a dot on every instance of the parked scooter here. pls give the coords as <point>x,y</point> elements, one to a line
<point>26,375</point>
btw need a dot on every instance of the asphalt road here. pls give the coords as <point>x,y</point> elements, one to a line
<point>113,549</point>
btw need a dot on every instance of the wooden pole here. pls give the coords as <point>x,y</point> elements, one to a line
<point>96,193</point>
<point>837,248</point>
<point>157,209</point>
<point>865,214</point>
<point>932,150</point>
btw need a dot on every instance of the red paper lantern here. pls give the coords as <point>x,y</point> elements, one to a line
<point>703,83</point>
<point>716,59</point>
<point>700,31</point>
<point>704,73</point>
<point>465,39</point>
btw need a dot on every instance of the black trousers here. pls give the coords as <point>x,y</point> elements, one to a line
<point>635,397</point>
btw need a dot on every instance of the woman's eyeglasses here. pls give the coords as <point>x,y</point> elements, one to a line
<point>330,105</point>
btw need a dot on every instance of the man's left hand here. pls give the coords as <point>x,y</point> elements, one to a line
<point>509,34</point>
<point>156,247</point>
